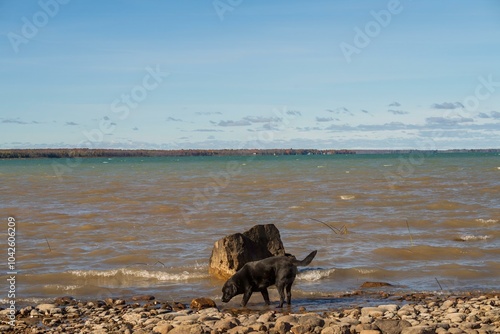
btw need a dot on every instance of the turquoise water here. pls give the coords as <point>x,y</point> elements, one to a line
<point>101,227</point>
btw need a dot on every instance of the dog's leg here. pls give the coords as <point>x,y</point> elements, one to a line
<point>281,291</point>
<point>265,294</point>
<point>289,294</point>
<point>246,297</point>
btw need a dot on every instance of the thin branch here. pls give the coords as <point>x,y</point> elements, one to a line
<point>50,249</point>
<point>160,263</point>
<point>334,229</point>
<point>341,230</point>
<point>411,238</point>
<point>438,283</point>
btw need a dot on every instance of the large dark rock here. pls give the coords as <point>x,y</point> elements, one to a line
<point>391,326</point>
<point>368,285</point>
<point>233,251</point>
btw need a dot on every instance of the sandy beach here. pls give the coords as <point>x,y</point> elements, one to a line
<point>407,313</point>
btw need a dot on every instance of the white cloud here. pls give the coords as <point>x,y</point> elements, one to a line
<point>446,121</point>
<point>261,119</point>
<point>447,105</point>
<point>398,112</point>
<point>235,123</point>
<point>326,119</point>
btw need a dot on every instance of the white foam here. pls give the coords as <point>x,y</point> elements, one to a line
<point>474,237</point>
<point>315,275</point>
<point>365,271</point>
<point>128,272</point>
<point>347,197</point>
<point>487,221</point>
<point>63,287</point>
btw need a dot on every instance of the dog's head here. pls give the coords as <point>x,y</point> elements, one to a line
<point>229,290</point>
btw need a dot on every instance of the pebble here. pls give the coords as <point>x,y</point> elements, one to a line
<point>415,315</point>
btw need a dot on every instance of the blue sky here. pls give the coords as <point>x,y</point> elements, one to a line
<point>250,74</point>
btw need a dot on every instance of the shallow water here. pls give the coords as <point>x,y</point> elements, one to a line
<point>95,228</point>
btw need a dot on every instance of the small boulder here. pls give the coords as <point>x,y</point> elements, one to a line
<point>132,318</point>
<point>143,297</point>
<point>419,330</point>
<point>64,300</point>
<point>310,322</point>
<point>226,324</point>
<point>387,326</point>
<point>202,303</point>
<point>187,329</point>
<point>162,327</point>
<point>46,308</point>
<point>374,312</point>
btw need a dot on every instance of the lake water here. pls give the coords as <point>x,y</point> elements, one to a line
<point>100,227</point>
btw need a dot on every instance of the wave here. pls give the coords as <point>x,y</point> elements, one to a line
<point>61,287</point>
<point>487,221</point>
<point>318,274</point>
<point>472,238</point>
<point>347,197</point>
<point>139,273</point>
<point>314,275</point>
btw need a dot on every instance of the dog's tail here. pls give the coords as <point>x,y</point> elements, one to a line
<point>307,260</point>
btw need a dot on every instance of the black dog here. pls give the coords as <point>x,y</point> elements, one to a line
<point>259,275</point>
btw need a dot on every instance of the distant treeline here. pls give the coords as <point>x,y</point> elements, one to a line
<point>97,153</point>
<point>109,153</point>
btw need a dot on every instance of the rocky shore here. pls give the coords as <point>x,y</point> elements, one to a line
<point>406,314</point>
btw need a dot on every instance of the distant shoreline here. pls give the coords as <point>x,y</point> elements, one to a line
<point>112,153</point>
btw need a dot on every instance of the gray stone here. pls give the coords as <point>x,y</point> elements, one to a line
<point>143,297</point>
<point>226,324</point>
<point>455,331</point>
<point>287,318</point>
<point>187,329</point>
<point>162,327</point>
<point>374,312</point>
<point>239,330</point>
<point>389,307</point>
<point>5,312</point>
<point>55,310</point>
<point>5,328</point>
<point>132,318</point>
<point>266,317</point>
<point>366,319</point>
<point>173,315</point>
<point>190,317</point>
<point>456,317</point>
<point>336,329</point>
<point>310,322</point>
<point>45,308</point>
<point>447,304</point>
<point>258,327</point>
<point>391,326</point>
<point>419,330</point>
